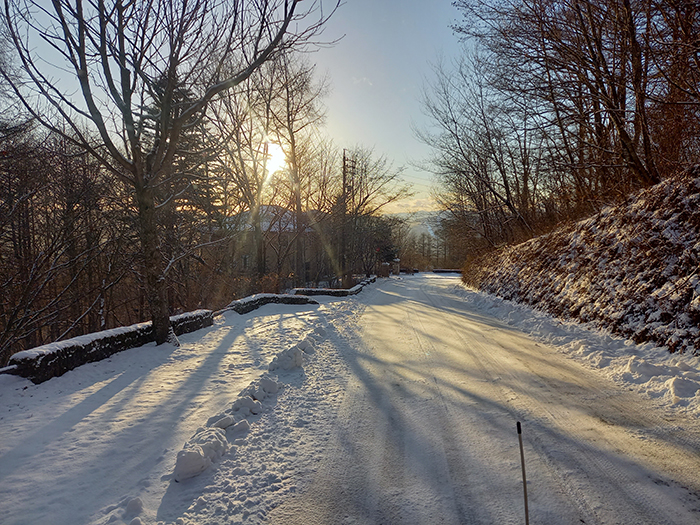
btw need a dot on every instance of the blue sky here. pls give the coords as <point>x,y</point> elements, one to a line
<point>377,72</point>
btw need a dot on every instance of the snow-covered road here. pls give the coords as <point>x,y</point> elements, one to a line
<point>404,412</point>
<point>427,430</point>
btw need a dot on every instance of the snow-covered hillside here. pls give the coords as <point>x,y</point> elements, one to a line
<point>631,269</point>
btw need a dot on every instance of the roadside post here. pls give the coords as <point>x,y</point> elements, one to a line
<point>522,464</point>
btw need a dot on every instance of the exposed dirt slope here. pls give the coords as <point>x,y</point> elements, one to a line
<point>632,268</point>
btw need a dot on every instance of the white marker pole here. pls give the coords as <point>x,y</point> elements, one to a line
<point>522,464</point>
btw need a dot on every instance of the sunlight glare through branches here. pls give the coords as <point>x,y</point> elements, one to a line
<point>276,158</point>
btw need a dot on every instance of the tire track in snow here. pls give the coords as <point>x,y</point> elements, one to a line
<point>426,429</point>
<point>466,472</point>
<point>609,459</point>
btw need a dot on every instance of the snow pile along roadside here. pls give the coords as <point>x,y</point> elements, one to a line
<point>41,363</point>
<point>631,269</point>
<point>54,359</point>
<point>673,380</point>
<point>210,443</point>
<point>335,292</point>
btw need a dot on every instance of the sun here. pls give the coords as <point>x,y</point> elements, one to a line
<point>276,158</point>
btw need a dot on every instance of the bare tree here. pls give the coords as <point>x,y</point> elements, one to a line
<point>371,183</point>
<point>320,181</point>
<point>565,106</point>
<point>242,119</point>
<point>588,59</point>
<point>297,115</point>
<point>276,110</point>
<point>485,154</point>
<point>674,50</point>
<point>146,72</point>
<point>63,250</point>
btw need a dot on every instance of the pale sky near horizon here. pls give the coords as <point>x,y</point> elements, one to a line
<point>377,73</point>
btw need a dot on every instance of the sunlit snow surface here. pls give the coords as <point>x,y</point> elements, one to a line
<point>673,379</point>
<point>99,445</point>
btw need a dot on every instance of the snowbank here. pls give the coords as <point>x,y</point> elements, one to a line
<point>200,452</point>
<point>210,443</point>
<point>54,359</point>
<point>248,304</point>
<point>335,292</point>
<point>673,380</point>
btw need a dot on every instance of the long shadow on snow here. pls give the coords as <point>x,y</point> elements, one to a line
<point>179,497</point>
<point>378,387</point>
<point>123,378</point>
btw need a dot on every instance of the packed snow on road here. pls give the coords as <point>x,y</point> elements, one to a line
<point>398,405</point>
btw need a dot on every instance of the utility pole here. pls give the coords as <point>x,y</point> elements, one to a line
<point>343,213</point>
<point>348,169</point>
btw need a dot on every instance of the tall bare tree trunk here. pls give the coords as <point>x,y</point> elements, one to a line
<point>639,86</point>
<point>299,222</point>
<point>259,246</point>
<point>156,289</point>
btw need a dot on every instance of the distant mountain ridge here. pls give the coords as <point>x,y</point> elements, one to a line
<point>420,221</point>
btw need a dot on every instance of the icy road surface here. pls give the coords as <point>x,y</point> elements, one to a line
<point>404,411</point>
<point>426,432</point>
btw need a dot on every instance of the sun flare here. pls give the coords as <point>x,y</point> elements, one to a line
<point>276,158</point>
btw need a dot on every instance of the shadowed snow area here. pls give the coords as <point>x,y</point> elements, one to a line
<point>394,406</point>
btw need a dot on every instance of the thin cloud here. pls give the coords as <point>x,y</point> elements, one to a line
<point>364,80</point>
<point>411,206</point>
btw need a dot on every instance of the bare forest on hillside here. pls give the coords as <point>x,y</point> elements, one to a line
<point>558,108</point>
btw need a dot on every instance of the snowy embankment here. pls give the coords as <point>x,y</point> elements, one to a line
<point>631,269</point>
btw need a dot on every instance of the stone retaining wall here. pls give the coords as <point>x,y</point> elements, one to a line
<point>54,359</point>
<point>243,306</point>
<point>335,292</point>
